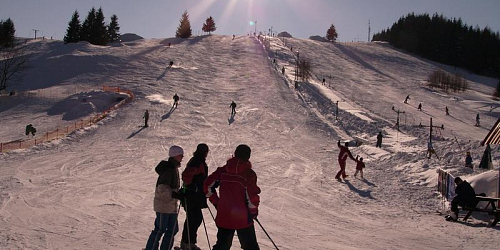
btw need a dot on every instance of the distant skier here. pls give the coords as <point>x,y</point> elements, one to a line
<point>430,150</point>
<point>420,106</point>
<point>176,101</point>
<point>169,45</point>
<point>283,70</point>
<point>447,111</point>
<point>30,129</point>
<point>233,37</point>
<point>233,108</point>
<point>407,98</point>
<point>343,154</point>
<point>170,64</point>
<point>359,167</point>
<point>477,121</point>
<point>324,81</point>
<point>468,160</point>
<point>146,118</point>
<point>379,140</point>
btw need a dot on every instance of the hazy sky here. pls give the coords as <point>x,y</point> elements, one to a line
<point>301,18</point>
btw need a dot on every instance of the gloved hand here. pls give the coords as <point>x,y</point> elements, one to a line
<point>254,215</point>
<point>178,195</point>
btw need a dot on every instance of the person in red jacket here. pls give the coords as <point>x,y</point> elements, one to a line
<point>237,201</point>
<point>343,154</point>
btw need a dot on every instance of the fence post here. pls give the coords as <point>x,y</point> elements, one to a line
<point>57,132</point>
<point>35,142</point>
<point>1,147</point>
<point>47,136</point>
<point>20,144</point>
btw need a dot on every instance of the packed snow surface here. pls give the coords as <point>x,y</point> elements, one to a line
<point>94,188</point>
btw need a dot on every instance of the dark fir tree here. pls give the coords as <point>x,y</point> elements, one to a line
<point>448,41</point>
<point>73,31</point>
<point>99,31</point>
<point>209,25</point>
<point>331,34</point>
<point>86,31</point>
<point>184,29</point>
<point>113,29</point>
<point>7,33</point>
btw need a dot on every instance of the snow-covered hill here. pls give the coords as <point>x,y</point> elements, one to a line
<point>94,189</point>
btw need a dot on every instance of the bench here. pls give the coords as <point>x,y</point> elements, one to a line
<point>490,208</point>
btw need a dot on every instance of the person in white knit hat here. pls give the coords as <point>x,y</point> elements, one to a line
<point>165,206</point>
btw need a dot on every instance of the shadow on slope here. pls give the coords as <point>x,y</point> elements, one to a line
<point>359,60</point>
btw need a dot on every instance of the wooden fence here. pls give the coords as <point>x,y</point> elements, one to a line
<point>60,132</point>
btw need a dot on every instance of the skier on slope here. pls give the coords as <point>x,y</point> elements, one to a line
<point>359,167</point>
<point>237,201</point>
<point>233,108</point>
<point>193,176</point>
<point>343,154</point>
<point>165,201</point>
<point>176,101</point>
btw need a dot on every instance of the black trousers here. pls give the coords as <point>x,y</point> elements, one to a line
<point>247,238</point>
<point>194,216</point>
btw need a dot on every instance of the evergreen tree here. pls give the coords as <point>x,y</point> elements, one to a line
<point>497,90</point>
<point>99,32</point>
<point>86,31</point>
<point>331,34</point>
<point>114,29</point>
<point>7,33</point>
<point>184,29</point>
<point>209,25</point>
<point>73,31</point>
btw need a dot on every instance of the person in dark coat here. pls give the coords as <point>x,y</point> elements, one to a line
<point>477,121</point>
<point>237,201</point>
<point>420,106</point>
<point>343,154</point>
<point>233,108</point>
<point>379,140</point>
<point>193,177</point>
<point>359,167</point>
<point>146,118</point>
<point>407,98</point>
<point>447,111</point>
<point>465,197</point>
<point>176,100</point>
<point>165,204</point>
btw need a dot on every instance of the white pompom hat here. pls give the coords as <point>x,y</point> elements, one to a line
<point>175,151</point>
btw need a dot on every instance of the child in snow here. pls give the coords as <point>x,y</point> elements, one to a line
<point>359,167</point>
<point>468,160</point>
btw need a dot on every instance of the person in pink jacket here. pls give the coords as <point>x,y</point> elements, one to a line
<point>236,202</point>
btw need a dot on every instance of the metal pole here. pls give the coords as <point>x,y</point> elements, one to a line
<point>266,233</point>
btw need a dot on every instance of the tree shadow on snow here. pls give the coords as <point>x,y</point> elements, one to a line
<point>359,60</point>
<point>361,193</point>
<point>135,133</point>
<point>167,115</point>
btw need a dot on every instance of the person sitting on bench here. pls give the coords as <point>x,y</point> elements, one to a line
<point>466,197</point>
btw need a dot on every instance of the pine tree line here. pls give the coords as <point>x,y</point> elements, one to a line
<point>93,29</point>
<point>446,41</point>
<point>7,32</point>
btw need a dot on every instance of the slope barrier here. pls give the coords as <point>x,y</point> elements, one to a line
<point>60,132</point>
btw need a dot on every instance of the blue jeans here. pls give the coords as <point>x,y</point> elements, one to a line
<point>166,226</point>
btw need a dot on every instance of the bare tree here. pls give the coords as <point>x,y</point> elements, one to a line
<point>13,62</point>
<point>304,67</point>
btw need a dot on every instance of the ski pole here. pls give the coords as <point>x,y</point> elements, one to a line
<point>211,213</point>
<point>206,233</point>
<point>175,226</point>
<point>187,222</point>
<point>266,233</point>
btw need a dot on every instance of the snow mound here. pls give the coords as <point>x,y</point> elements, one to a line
<point>129,37</point>
<point>318,38</point>
<point>284,34</point>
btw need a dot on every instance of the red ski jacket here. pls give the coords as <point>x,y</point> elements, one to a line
<point>344,153</point>
<point>238,199</point>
